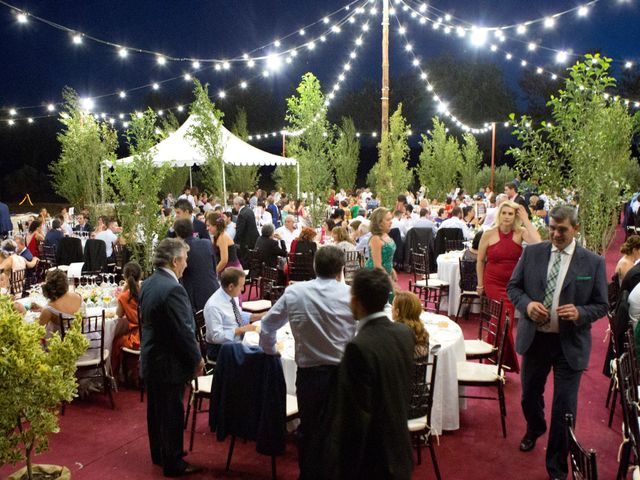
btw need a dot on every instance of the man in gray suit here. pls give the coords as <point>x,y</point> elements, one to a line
<point>560,288</point>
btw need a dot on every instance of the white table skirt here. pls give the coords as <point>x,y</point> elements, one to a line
<point>449,271</point>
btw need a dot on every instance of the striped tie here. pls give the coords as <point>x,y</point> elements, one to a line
<point>552,279</point>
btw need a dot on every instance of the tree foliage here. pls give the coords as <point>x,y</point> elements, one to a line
<point>85,143</point>
<point>346,155</point>
<point>501,175</point>
<point>470,164</point>
<point>241,178</point>
<point>137,186</point>
<point>307,114</point>
<point>440,161</point>
<point>587,148</point>
<point>206,133</point>
<point>34,382</point>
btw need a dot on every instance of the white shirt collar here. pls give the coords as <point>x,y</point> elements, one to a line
<point>363,321</point>
<point>170,272</point>
<point>569,249</point>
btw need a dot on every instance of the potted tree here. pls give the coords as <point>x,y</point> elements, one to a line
<point>33,383</point>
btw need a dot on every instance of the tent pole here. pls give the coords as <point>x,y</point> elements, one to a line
<point>224,187</point>
<point>298,178</point>
<point>190,178</point>
<point>102,183</point>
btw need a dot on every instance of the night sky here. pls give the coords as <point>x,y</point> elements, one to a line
<point>38,60</point>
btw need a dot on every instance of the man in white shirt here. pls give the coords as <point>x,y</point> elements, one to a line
<point>322,325</point>
<point>424,221</point>
<point>288,232</point>
<point>108,236</point>
<point>490,216</point>
<point>222,315</point>
<point>456,222</point>
<point>231,226</point>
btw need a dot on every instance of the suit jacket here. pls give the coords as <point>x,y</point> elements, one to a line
<point>246,229</point>
<point>169,351</point>
<point>275,214</point>
<point>269,250</point>
<point>5,219</point>
<point>83,228</point>
<point>366,434</point>
<point>585,286</point>
<point>416,240</point>
<point>53,237</point>
<point>631,279</point>
<point>199,228</point>
<point>199,278</point>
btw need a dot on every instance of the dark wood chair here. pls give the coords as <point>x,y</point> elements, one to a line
<point>253,273</point>
<point>424,378</point>
<point>17,283</point>
<point>354,261</point>
<point>49,256</point>
<point>94,363</point>
<point>614,384</point>
<point>468,285</point>
<point>485,346</point>
<point>451,245</point>
<point>430,290</point>
<point>583,462</point>
<point>269,284</point>
<point>627,377</point>
<point>487,375</point>
<point>301,267</point>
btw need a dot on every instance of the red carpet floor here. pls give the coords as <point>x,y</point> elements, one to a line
<point>96,442</point>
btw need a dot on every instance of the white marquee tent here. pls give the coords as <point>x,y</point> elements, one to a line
<point>179,150</point>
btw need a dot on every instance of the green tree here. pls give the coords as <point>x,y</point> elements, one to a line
<point>501,175</point>
<point>471,162</point>
<point>85,143</point>
<point>307,116</point>
<point>137,187</point>
<point>175,181</point>
<point>241,178</point>
<point>207,134</point>
<point>34,382</point>
<point>586,148</point>
<point>346,155</point>
<point>440,161</point>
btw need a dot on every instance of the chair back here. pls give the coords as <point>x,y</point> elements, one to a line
<point>201,327</point>
<point>627,374</point>
<point>269,284</point>
<point>17,283</point>
<point>490,321</point>
<point>255,264</point>
<point>301,267</point>
<point>419,265</point>
<point>92,329</point>
<point>95,255</point>
<point>424,378</point>
<point>502,343</point>
<point>630,347</point>
<point>353,262</point>
<point>583,462</point>
<point>49,255</point>
<point>613,292</point>
<point>445,234</point>
<point>120,255</point>
<point>453,245</point>
<point>468,276</point>
<point>69,251</point>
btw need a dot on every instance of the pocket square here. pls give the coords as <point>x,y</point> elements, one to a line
<point>583,278</point>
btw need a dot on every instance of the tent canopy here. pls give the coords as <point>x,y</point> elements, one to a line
<point>179,150</point>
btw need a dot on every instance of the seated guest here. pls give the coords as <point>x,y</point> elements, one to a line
<point>538,210</point>
<point>630,251</point>
<point>10,262</point>
<point>60,301</point>
<point>471,254</point>
<point>23,251</point>
<point>469,216</point>
<point>407,309</point>
<point>288,232</point>
<point>65,226</point>
<point>128,308</point>
<point>328,225</point>
<point>53,236</point>
<point>269,249</point>
<point>222,315</point>
<point>34,236</point>
<point>108,235</point>
<point>456,221</point>
<point>82,224</point>
<point>226,250</point>
<point>342,240</point>
<point>424,222</point>
<point>442,216</point>
<point>304,243</point>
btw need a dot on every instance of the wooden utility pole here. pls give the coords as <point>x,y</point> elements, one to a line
<point>493,154</point>
<point>385,68</point>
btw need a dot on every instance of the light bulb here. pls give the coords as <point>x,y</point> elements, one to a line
<point>532,46</point>
<point>155,86</point>
<point>180,108</point>
<point>87,103</point>
<point>365,27</point>
<point>243,84</point>
<point>549,22</point>
<point>628,64</point>
<point>402,30</point>
<point>251,63</point>
<point>161,60</point>
<point>508,56</point>
<point>122,53</point>
<point>359,41</point>
<point>336,29</point>
<point>276,43</point>
<point>539,70</point>
<point>226,65</point>
<point>30,120</point>
<point>13,111</point>
<point>325,20</point>
<point>122,94</point>
<point>323,38</point>
<point>478,37</point>
<point>583,11</point>
<point>311,45</point>
<point>187,77</point>
<point>51,107</point>
<point>562,56</point>
<point>302,32</point>
<point>22,17</point>
<point>195,65</point>
<point>160,112</point>
<point>11,123</point>
<point>408,47</point>
<point>77,39</point>
<point>273,61</point>
<point>521,29</point>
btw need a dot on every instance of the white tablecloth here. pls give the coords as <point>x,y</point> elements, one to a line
<point>449,271</point>
<point>445,414</point>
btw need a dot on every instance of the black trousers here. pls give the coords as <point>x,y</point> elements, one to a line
<point>313,385</point>
<point>165,424</point>
<point>546,353</point>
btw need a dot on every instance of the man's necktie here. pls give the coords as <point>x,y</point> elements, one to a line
<point>236,312</point>
<point>552,279</point>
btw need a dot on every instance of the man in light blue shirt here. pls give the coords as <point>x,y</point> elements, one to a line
<point>223,318</point>
<point>322,325</point>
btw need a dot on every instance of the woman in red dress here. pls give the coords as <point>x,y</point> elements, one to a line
<point>498,254</point>
<point>34,236</point>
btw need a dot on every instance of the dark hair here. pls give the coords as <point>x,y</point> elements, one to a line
<point>539,205</point>
<point>329,261</point>
<point>132,274</point>
<point>409,208</point>
<point>231,276</point>
<point>511,186</point>
<point>466,210</point>
<point>330,223</point>
<point>229,215</point>
<point>55,285</point>
<point>456,212</point>
<point>402,198</point>
<point>632,243</point>
<point>216,220</point>
<point>371,287</point>
<point>441,210</point>
<point>55,224</point>
<point>476,240</point>
<point>183,228</point>
<point>424,212</point>
<point>184,204</point>
<point>33,226</point>
<point>344,203</point>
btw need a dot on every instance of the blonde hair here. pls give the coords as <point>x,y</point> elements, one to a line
<point>409,309</point>
<point>375,221</point>
<point>340,234</point>
<point>517,224</point>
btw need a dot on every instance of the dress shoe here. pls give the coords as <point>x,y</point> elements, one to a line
<point>528,442</point>
<point>188,470</point>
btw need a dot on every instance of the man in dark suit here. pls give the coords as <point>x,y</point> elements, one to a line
<point>82,224</point>
<point>5,221</point>
<point>54,235</point>
<point>184,209</point>
<point>366,421</point>
<point>169,355</point>
<point>560,288</point>
<point>246,230</point>
<point>511,191</point>
<point>199,279</point>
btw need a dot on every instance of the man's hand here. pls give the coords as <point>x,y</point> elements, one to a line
<point>568,312</point>
<point>245,329</point>
<point>199,367</point>
<point>537,312</point>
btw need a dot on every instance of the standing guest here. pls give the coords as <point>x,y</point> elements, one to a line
<point>34,236</point>
<point>169,355</point>
<point>230,225</point>
<point>82,224</point>
<point>630,251</point>
<point>560,289</point>
<point>168,201</point>
<point>246,230</point>
<point>366,433</point>
<point>222,315</point>
<point>226,250</point>
<point>128,308</point>
<point>268,247</point>
<point>199,278</point>
<point>498,253</point>
<point>53,236</point>
<point>407,309</point>
<point>322,324</point>
<point>5,221</point>
<point>273,209</point>
<point>288,232</point>
<point>511,191</point>
<point>187,195</point>
<point>108,236</point>
<point>184,209</point>
<point>381,245</point>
